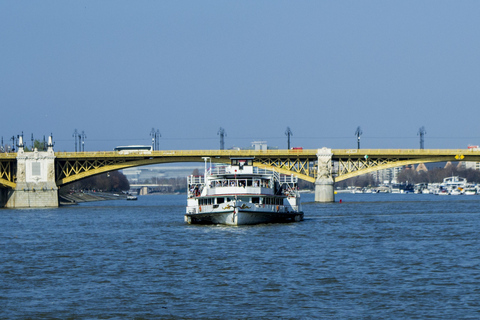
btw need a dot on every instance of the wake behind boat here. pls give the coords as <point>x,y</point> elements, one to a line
<point>242,194</point>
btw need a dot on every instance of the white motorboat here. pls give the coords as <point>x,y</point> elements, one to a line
<point>470,190</point>
<point>242,194</point>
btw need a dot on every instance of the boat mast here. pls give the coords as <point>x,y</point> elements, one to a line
<point>206,170</point>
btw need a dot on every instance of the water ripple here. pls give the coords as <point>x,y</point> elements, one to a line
<point>373,256</point>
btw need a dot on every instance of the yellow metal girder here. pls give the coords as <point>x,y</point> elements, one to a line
<point>74,166</point>
<point>71,166</point>
<point>372,166</point>
<point>285,171</point>
<point>7,183</point>
<point>8,167</point>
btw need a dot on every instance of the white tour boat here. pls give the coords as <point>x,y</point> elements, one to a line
<point>453,185</point>
<point>242,194</point>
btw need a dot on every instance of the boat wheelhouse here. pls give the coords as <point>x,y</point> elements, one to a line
<point>242,194</point>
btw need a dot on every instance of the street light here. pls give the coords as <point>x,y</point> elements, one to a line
<point>222,134</point>
<point>358,133</point>
<point>75,135</point>
<point>288,133</point>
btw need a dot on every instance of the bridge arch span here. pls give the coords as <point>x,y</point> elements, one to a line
<point>349,163</point>
<point>70,172</point>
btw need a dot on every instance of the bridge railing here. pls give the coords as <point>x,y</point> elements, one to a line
<point>246,153</point>
<point>9,155</point>
<point>180,153</point>
<point>416,152</point>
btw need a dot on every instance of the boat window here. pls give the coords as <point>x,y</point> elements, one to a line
<point>249,162</point>
<point>244,199</point>
<point>255,199</point>
<point>220,200</point>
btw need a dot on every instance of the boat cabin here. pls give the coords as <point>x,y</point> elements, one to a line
<point>242,165</point>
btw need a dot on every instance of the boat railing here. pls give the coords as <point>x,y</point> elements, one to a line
<point>234,189</point>
<point>195,180</point>
<point>281,178</point>
<point>287,179</point>
<point>225,170</point>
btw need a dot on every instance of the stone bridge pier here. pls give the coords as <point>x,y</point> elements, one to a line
<point>35,185</point>
<point>324,191</point>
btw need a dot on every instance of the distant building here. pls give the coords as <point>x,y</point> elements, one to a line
<point>140,174</point>
<point>421,167</point>
<point>259,145</point>
<point>472,164</point>
<point>387,176</point>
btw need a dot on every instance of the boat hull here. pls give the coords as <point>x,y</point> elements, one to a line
<point>240,217</point>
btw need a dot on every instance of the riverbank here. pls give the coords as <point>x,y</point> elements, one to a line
<point>75,198</point>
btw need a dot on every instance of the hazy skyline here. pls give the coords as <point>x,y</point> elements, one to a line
<point>117,69</point>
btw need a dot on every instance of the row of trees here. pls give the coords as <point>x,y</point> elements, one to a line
<point>114,181</point>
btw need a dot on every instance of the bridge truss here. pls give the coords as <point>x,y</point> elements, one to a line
<point>354,162</point>
<point>8,169</point>
<point>345,163</point>
<point>75,166</point>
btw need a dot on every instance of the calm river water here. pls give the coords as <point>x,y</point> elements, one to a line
<point>370,257</point>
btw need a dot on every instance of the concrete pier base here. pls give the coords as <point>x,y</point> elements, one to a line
<point>324,190</point>
<point>35,185</point>
<point>324,184</point>
<point>33,196</point>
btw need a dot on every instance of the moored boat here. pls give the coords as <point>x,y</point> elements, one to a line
<point>470,190</point>
<point>242,194</point>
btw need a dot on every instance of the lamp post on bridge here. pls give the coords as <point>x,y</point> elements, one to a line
<point>222,134</point>
<point>155,141</point>
<point>13,143</point>
<point>83,136</point>
<point>288,133</point>
<point>358,133</point>
<point>75,135</point>
<point>421,133</point>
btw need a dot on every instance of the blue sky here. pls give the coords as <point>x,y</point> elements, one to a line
<point>117,69</point>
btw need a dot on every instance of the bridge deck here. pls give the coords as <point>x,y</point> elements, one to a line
<point>71,166</point>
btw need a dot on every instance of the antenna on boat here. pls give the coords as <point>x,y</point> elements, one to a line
<point>206,161</point>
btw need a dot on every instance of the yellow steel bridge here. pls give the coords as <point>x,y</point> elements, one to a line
<point>346,163</point>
